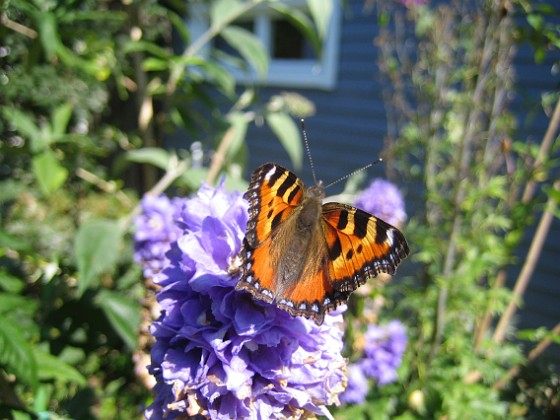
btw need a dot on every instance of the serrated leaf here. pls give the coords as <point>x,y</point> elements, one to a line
<point>249,46</point>
<point>150,155</point>
<point>122,312</point>
<point>97,245</point>
<point>224,11</point>
<point>49,172</point>
<point>288,133</point>
<point>52,368</point>
<point>16,353</point>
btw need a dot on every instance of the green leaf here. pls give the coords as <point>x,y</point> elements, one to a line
<point>16,353</point>
<point>150,155</point>
<point>11,284</point>
<point>97,245</point>
<point>193,177</point>
<point>12,242</point>
<point>239,125</point>
<point>223,78</point>
<point>249,46</point>
<point>49,172</point>
<point>302,22</point>
<point>10,302</point>
<point>288,133</point>
<point>155,64</point>
<point>60,118</point>
<point>26,126</point>
<point>321,11</point>
<point>224,11</point>
<point>536,21</point>
<point>122,312</point>
<point>48,33</point>
<point>51,367</point>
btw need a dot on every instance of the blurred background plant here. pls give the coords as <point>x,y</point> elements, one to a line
<point>477,186</point>
<point>90,93</point>
<point>93,91</point>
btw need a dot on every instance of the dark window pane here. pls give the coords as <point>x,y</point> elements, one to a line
<point>288,42</point>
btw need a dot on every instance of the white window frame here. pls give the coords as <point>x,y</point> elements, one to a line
<point>290,73</point>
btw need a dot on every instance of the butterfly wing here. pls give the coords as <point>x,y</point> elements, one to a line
<point>274,192</point>
<point>313,296</point>
<point>274,195</point>
<point>355,246</point>
<point>360,246</point>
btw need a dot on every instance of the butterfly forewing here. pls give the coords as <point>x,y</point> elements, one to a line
<point>272,195</point>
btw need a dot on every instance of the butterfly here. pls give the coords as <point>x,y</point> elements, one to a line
<point>305,256</point>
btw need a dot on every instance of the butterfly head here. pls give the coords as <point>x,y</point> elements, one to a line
<point>317,191</point>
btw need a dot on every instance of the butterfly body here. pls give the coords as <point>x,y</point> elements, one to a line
<point>306,256</point>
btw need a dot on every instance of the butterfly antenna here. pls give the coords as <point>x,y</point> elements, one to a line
<point>363,168</point>
<point>308,150</point>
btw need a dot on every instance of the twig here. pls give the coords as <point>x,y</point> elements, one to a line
<point>107,186</point>
<point>536,352</point>
<point>528,267</point>
<point>18,27</point>
<point>546,145</point>
<point>219,156</point>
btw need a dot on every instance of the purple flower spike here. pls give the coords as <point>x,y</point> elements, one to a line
<point>219,353</point>
<point>384,349</point>
<point>155,231</point>
<point>384,200</point>
<point>357,388</point>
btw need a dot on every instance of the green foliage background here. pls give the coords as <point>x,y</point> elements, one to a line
<point>89,91</point>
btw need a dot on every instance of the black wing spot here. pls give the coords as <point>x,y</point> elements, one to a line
<point>361,220</point>
<point>380,231</point>
<point>342,220</point>
<point>286,185</point>
<point>270,213</point>
<point>360,249</point>
<point>349,254</point>
<point>335,250</point>
<point>277,220</point>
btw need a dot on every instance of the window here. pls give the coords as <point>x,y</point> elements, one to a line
<point>293,62</point>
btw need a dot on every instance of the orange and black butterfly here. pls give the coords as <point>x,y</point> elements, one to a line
<point>305,256</point>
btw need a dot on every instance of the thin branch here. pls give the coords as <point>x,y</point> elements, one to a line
<point>17,27</point>
<point>528,267</point>
<point>107,186</point>
<point>536,352</point>
<point>219,156</point>
<point>546,145</point>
